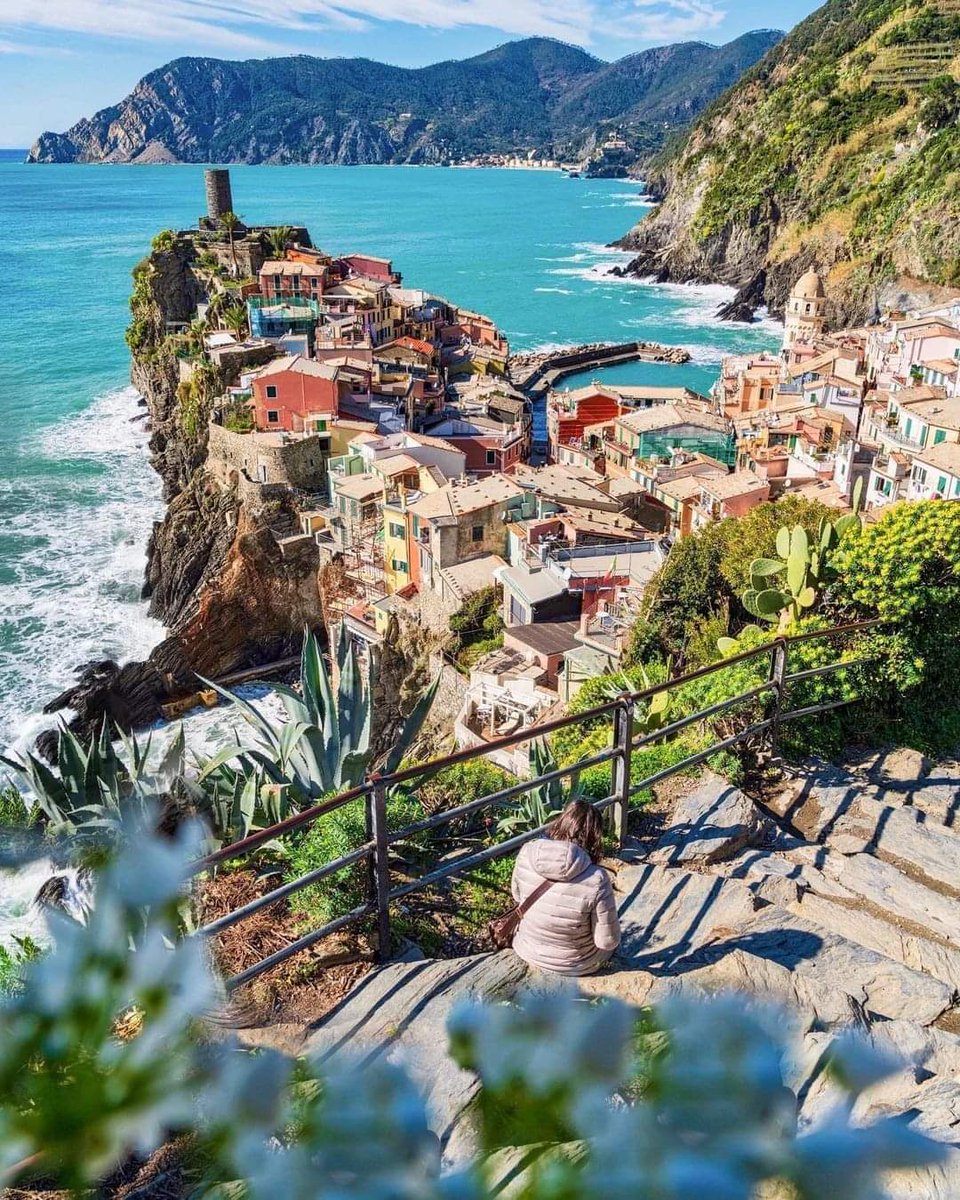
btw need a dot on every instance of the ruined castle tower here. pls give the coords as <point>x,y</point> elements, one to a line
<point>219,197</point>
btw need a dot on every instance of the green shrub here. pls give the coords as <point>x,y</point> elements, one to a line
<point>13,810</point>
<point>238,418</point>
<point>165,240</point>
<point>13,960</point>
<point>327,839</point>
<point>462,784</point>
<point>478,625</point>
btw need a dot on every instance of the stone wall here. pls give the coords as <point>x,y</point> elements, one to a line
<point>267,458</point>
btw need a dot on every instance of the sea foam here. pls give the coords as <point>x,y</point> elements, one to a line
<point>80,523</point>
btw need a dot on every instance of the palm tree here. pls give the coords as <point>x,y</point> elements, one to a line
<point>278,237</point>
<point>230,223</point>
<point>217,305</point>
<point>194,335</point>
<point>235,319</point>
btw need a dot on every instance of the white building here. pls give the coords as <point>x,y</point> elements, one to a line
<point>806,316</point>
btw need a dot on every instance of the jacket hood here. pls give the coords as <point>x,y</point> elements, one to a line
<point>559,861</point>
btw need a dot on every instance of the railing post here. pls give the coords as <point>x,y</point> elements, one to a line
<point>379,864</point>
<point>623,743</point>
<point>778,676</point>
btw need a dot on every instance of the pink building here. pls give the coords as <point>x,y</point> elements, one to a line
<point>280,279</point>
<point>295,394</point>
<point>369,266</point>
<point>922,341</point>
<point>731,495</point>
<point>489,447</point>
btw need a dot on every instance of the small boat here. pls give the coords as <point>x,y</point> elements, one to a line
<point>574,174</point>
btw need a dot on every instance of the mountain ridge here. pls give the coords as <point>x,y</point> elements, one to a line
<point>531,93</point>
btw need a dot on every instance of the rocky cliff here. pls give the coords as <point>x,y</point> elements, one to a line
<point>531,93</point>
<point>836,151</point>
<point>229,594</point>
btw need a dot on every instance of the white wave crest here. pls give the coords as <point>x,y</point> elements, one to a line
<point>78,524</point>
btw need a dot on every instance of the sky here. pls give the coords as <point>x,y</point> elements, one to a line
<point>65,59</point>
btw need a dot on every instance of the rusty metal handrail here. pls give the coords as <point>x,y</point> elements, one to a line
<point>374,790</point>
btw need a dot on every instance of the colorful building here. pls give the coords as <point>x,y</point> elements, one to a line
<point>295,394</point>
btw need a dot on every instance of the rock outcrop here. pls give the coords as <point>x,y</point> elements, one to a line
<point>231,589</point>
<point>531,93</point>
<point>823,155</point>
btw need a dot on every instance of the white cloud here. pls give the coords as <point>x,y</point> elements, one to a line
<point>249,26</point>
<point>656,21</point>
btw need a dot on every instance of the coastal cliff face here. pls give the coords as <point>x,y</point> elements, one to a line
<point>230,595</point>
<point>530,93</point>
<point>828,155</point>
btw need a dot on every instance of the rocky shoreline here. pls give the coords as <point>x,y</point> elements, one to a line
<point>216,576</point>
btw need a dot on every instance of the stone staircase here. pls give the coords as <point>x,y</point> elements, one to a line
<point>838,897</point>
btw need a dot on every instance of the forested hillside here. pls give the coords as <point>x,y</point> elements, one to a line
<point>531,94</point>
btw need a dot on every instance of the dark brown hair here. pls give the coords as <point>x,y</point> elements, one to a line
<point>581,824</point>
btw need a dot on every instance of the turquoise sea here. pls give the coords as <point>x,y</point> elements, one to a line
<point>77,496</point>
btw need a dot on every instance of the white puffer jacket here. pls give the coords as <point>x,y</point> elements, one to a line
<point>573,927</point>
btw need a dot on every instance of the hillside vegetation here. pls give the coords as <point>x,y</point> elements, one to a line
<point>840,149</point>
<point>534,93</point>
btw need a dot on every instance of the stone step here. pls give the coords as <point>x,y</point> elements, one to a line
<point>400,1013</point>
<point>906,778</point>
<point>860,898</point>
<point>882,985</point>
<point>827,806</point>
<point>677,921</point>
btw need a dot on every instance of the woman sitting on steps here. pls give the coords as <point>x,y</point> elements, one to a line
<point>572,927</point>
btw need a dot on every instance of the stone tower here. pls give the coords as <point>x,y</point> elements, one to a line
<point>805,317</point>
<point>219,197</point>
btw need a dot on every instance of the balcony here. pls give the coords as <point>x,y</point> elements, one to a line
<point>897,437</point>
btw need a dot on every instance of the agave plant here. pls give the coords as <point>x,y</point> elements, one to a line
<point>96,787</point>
<point>324,745</point>
<point>541,802</point>
<point>658,708</point>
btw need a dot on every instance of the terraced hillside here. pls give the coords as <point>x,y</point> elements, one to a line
<point>841,150</point>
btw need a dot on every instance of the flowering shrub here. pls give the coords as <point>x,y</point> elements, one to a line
<point>707,1114</point>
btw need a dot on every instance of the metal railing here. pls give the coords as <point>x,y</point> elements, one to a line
<point>622,711</point>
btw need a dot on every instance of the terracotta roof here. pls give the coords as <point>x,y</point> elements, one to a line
<point>276,266</point>
<point>369,257</point>
<point>423,439</point>
<point>454,500</point>
<point>684,488</point>
<point>822,490</point>
<point>944,457</point>
<point>560,481</point>
<point>298,365</point>
<point>725,487</point>
<point>662,395</point>
<point>941,412</point>
<point>411,343</point>
<point>397,464</point>
<point>472,575</point>
<point>667,416</point>
<point>359,487</point>
<point>926,327</point>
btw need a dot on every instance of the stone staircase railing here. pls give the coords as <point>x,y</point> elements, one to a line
<point>623,713</point>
